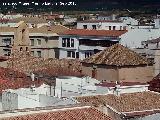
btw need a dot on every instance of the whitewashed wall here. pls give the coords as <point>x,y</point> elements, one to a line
<point>74,86</point>
<point>102,25</point>
<point>134,37</point>
<point>122,89</point>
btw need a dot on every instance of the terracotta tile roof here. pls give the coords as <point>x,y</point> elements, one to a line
<point>154,85</point>
<point>128,102</point>
<point>3,20</point>
<point>18,83</point>
<point>60,71</point>
<point>7,29</point>
<point>11,79</point>
<point>66,114</point>
<point>29,20</point>
<point>49,29</point>
<point>117,55</point>
<point>44,29</point>
<point>97,21</point>
<point>23,61</point>
<point>113,84</point>
<point>105,33</point>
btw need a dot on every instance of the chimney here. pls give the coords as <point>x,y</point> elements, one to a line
<point>117,89</point>
<point>94,72</point>
<point>32,76</point>
<point>33,85</point>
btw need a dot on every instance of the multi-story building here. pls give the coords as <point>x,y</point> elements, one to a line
<point>80,43</point>
<point>101,25</point>
<point>43,40</point>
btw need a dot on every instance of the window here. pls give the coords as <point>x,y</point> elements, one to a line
<point>72,42</point>
<point>68,42</point>
<point>120,27</point>
<point>21,48</point>
<point>38,42</point>
<point>6,52</point>
<point>26,48</point>
<point>109,27</point>
<point>84,26</point>
<point>114,27</point>
<point>124,28</point>
<point>73,54</point>
<point>32,42</point>
<point>157,44</point>
<point>69,53</point>
<point>94,27</point>
<point>77,54</point>
<point>32,53</point>
<point>6,41</point>
<point>46,41</point>
<point>39,53</point>
<point>88,54</point>
<point>63,42</point>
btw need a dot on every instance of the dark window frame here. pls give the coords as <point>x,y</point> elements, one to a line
<point>77,54</point>
<point>69,54</point>
<point>63,42</point>
<point>73,54</point>
<point>84,26</point>
<point>68,42</point>
<point>94,27</point>
<point>72,42</point>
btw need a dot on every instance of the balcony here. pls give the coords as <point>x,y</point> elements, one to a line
<point>84,47</point>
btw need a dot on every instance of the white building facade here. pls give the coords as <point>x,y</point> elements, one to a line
<point>82,46</point>
<point>101,25</point>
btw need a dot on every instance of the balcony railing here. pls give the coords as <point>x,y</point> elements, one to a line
<point>84,47</point>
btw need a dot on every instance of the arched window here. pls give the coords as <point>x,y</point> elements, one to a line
<point>21,48</point>
<point>26,48</point>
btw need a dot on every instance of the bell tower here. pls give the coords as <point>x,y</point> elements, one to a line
<point>21,37</point>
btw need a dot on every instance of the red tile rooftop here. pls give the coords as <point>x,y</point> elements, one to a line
<point>113,84</point>
<point>117,55</point>
<point>11,79</point>
<point>104,33</point>
<point>154,85</point>
<point>18,83</point>
<point>2,81</point>
<point>83,113</point>
<point>127,102</point>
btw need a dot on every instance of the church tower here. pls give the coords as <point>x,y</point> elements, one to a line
<point>21,37</point>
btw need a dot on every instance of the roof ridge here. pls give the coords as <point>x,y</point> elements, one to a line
<point>117,55</point>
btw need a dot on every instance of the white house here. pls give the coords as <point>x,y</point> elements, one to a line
<point>30,98</point>
<point>80,43</point>
<point>129,21</point>
<point>133,37</point>
<point>101,25</point>
<point>68,86</point>
<point>105,17</point>
<point>124,87</point>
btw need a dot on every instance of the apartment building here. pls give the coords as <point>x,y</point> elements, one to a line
<point>80,43</point>
<point>43,40</point>
<point>101,25</point>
